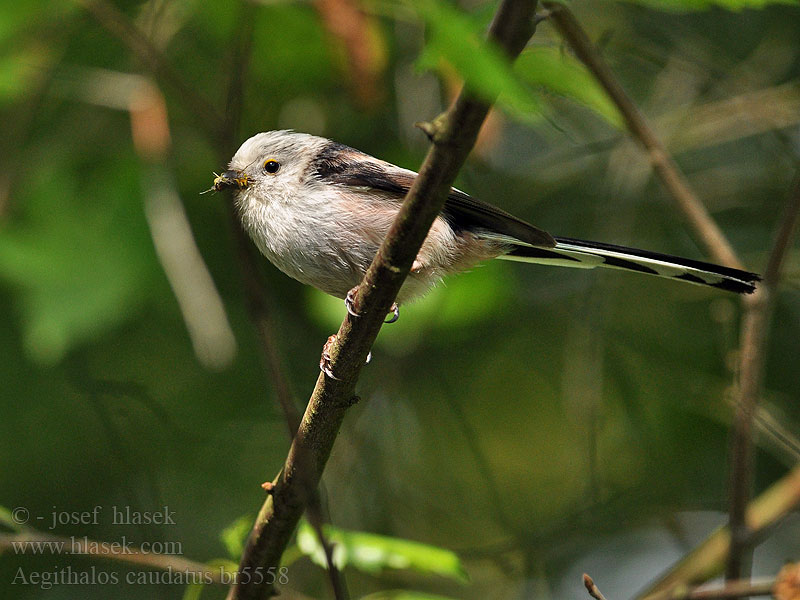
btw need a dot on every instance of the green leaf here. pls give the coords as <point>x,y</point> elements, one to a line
<point>695,5</point>
<point>560,73</point>
<point>193,591</point>
<point>373,553</point>
<point>235,535</point>
<point>459,40</point>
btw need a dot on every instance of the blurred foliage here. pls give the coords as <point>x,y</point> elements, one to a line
<point>535,422</point>
<point>374,553</point>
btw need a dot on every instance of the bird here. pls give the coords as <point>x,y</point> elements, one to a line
<point>319,210</point>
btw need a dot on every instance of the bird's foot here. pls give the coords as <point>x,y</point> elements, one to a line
<point>325,359</point>
<point>395,313</point>
<point>349,302</point>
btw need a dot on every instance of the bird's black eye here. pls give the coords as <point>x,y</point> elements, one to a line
<point>271,166</point>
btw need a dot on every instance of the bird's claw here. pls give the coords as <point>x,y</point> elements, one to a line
<point>349,301</point>
<point>325,359</point>
<point>395,313</point>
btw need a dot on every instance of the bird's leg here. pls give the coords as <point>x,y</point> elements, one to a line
<point>415,268</point>
<point>325,359</point>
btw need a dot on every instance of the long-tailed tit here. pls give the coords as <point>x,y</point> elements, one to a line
<point>319,210</point>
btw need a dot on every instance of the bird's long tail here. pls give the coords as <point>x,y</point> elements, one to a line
<point>587,255</point>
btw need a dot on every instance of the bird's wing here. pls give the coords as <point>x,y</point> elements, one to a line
<point>463,211</point>
<point>343,165</point>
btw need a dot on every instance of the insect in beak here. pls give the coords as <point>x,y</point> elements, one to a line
<point>229,179</point>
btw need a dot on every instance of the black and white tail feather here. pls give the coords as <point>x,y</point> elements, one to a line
<point>531,244</point>
<point>583,254</point>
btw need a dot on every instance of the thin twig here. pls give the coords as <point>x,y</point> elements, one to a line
<point>783,240</point>
<point>487,476</point>
<point>453,134</point>
<point>593,590</point>
<point>335,577</point>
<point>755,327</point>
<point>737,588</point>
<point>221,131</point>
<point>665,167</point>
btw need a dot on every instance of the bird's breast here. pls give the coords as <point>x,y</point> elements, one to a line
<point>311,242</point>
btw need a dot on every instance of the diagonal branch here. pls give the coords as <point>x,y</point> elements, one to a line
<point>453,134</point>
<point>671,176</point>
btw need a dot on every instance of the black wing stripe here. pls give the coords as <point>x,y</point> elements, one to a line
<point>613,261</point>
<point>340,164</point>
<point>732,285</point>
<point>465,212</point>
<point>337,163</point>
<point>540,253</point>
<point>690,278</point>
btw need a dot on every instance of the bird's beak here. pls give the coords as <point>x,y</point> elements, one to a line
<point>231,179</point>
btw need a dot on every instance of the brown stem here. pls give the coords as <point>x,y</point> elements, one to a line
<point>732,589</point>
<point>453,134</point>
<point>755,327</point>
<point>673,179</point>
<point>593,590</point>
